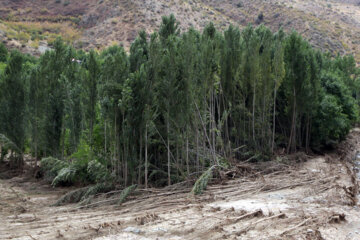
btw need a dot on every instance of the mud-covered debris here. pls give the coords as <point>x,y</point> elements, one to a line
<point>337,218</point>
<point>159,229</point>
<point>132,230</point>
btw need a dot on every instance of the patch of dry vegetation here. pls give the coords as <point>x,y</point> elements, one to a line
<point>36,31</point>
<point>331,27</point>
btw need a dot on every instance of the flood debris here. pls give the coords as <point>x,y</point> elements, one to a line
<point>310,199</point>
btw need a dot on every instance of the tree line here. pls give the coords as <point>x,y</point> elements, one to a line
<point>175,104</point>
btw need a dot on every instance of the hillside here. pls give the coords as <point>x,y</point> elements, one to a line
<point>30,25</point>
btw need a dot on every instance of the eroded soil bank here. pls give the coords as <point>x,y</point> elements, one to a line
<point>314,198</point>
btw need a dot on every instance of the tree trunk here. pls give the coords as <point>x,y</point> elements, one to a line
<point>263,124</point>
<point>187,155</point>
<point>125,158</point>
<point>177,160</point>
<point>140,159</point>
<point>105,136</point>
<point>292,139</point>
<point>63,142</point>
<point>253,114</point>
<point>274,115</point>
<point>197,151</point>
<point>146,157</point>
<point>168,150</point>
<point>36,151</point>
<point>214,123</point>
<point>91,132</point>
<point>307,137</point>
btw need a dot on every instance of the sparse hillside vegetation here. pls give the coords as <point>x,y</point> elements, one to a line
<point>329,25</point>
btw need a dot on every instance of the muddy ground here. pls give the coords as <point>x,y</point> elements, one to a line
<point>302,197</point>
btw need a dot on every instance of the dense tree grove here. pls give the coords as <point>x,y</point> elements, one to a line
<point>176,104</point>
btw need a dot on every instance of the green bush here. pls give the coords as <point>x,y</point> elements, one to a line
<point>52,166</point>
<point>336,113</point>
<point>81,168</point>
<point>3,53</point>
<point>331,125</point>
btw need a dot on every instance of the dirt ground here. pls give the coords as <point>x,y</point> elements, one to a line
<point>314,198</point>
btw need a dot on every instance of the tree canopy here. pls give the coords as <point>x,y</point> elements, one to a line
<point>176,104</point>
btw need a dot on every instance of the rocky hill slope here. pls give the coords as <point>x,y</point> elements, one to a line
<point>332,25</point>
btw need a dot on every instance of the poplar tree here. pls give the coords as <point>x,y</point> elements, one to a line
<point>12,103</point>
<point>3,53</point>
<point>91,81</point>
<point>52,64</point>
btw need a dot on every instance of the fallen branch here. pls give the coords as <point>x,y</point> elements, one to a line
<point>113,200</point>
<point>337,218</point>
<point>252,225</point>
<point>201,184</point>
<point>252,214</point>
<point>295,227</point>
<point>125,193</point>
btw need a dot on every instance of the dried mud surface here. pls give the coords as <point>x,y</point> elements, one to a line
<point>316,198</point>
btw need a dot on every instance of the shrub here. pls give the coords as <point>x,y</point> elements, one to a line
<point>71,197</point>
<point>98,172</point>
<point>125,193</point>
<point>260,18</point>
<point>80,169</point>
<point>201,184</point>
<point>44,11</point>
<point>336,113</point>
<point>52,166</point>
<point>3,53</point>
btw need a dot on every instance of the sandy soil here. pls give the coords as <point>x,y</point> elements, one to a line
<point>316,198</point>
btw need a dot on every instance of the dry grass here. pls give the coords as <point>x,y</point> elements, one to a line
<point>24,31</point>
<point>331,29</point>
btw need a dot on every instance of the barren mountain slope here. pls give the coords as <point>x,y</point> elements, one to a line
<point>332,25</point>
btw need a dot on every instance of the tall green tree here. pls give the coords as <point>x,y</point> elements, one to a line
<point>3,53</point>
<point>91,81</point>
<point>12,103</point>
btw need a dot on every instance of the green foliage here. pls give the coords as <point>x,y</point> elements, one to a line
<point>175,104</point>
<point>8,144</point>
<point>12,100</point>
<point>71,197</point>
<point>98,172</point>
<point>337,125</point>
<point>98,188</point>
<point>65,175</point>
<point>168,27</point>
<point>74,171</point>
<point>83,153</point>
<point>3,53</point>
<point>52,166</point>
<point>80,169</point>
<point>201,183</point>
<point>125,193</point>
<point>337,109</point>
